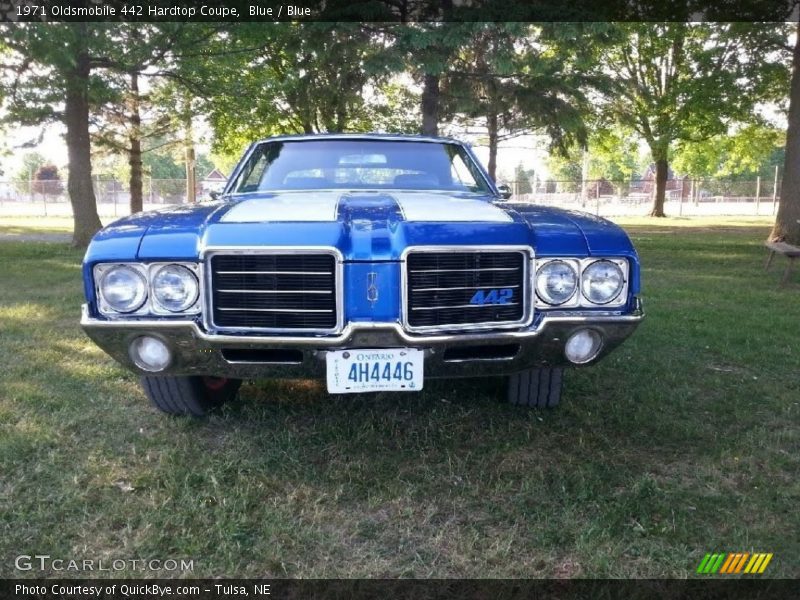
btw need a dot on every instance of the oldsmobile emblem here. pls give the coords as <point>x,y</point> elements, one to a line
<point>372,288</point>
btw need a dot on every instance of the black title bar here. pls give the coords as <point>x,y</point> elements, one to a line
<point>406,589</point>
<point>234,11</point>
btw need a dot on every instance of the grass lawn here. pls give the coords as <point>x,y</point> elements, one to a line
<point>684,441</point>
<point>22,225</point>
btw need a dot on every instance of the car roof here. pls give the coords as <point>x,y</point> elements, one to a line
<point>395,137</point>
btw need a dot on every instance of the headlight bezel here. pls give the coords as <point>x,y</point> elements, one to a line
<point>572,300</point>
<point>157,307</point>
<point>150,307</point>
<point>101,271</point>
<point>579,300</point>
<point>615,299</point>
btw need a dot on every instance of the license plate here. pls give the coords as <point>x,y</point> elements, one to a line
<point>374,370</point>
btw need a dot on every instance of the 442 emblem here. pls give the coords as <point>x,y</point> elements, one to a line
<point>496,296</point>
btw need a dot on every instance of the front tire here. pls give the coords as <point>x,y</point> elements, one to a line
<point>536,388</point>
<point>190,395</point>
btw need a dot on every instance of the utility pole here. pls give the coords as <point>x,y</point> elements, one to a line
<point>191,176</point>
<point>597,200</point>
<point>584,175</point>
<point>775,191</point>
<point>758,193</point>
<point>191,179</point>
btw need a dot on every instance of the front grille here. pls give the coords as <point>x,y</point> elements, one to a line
<point>462,289</point>
<point>274,291</point>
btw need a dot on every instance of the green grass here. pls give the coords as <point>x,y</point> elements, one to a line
<point>29,225</point>
<point>686,440</point>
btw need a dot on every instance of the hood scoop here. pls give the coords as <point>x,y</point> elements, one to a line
<point>361,210</point>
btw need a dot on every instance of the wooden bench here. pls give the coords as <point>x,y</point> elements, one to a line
<point>792,253</point>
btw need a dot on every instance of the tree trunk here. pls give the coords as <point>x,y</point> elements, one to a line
<point>79,183</point>
<point>307,126</point>
<point>135,148</point>
<point>341,119</point>
<point>430,105</point>
<point>491,125</point>
<point>662,169</point>
<point>787,222</point>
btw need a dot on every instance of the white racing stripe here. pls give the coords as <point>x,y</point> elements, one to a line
<point>422,207</point>
<point>292,206</point>
<point>322,206</point>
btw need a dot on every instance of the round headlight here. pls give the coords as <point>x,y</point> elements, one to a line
<point>123,288</point>
<point>602,281</point>
<point>175,288</point>
<point>556,282</point>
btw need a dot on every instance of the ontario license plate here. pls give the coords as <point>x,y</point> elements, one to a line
<point>374,370</point>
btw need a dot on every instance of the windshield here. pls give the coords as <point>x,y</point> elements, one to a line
<point>359,164</point>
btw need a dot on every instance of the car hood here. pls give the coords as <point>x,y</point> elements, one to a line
<point>362,225</point>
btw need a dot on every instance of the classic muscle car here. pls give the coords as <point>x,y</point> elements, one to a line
<point>372,261</point>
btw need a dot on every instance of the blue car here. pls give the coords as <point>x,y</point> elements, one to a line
<point>374,262</point>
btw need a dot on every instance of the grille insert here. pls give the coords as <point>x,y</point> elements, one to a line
<point>462,289</point>
<point>274,291</point>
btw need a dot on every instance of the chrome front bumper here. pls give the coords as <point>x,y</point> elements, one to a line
<point>196,352</point>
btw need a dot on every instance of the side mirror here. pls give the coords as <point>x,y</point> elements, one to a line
<point>214,194</point>
<point>505,191</point>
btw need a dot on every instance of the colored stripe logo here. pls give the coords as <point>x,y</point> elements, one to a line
<point>732,563</point>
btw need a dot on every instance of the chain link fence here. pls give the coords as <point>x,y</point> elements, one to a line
<point>684,197</point>
<point>50,198</point>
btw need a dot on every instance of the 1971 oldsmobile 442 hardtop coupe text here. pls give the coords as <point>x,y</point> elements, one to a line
<point>372,261</point>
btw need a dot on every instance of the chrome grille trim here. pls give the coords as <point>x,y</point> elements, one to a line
<point>528,264</point>
<point>462,270</point>
<point>286,310</point>
<point>444,289</point>
<point>275,291</point>
<point>208,315</point>
<point>271,273</point>
<point>457,306</point>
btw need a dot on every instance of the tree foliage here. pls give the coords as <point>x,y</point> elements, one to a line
<point>167,163</point>
<point>47,181</point>
<point>293,78</point>
<point>516,80</point>
<point>146,106</point>
<point>565,171</point>
<point>688,81</point>
<point>614,155</point>
<point>31,161</point>
<point>52,73</point>
<point>522,179</point>
<point>427,50</point>
<point>679,86</point>
<point>752,150</point>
